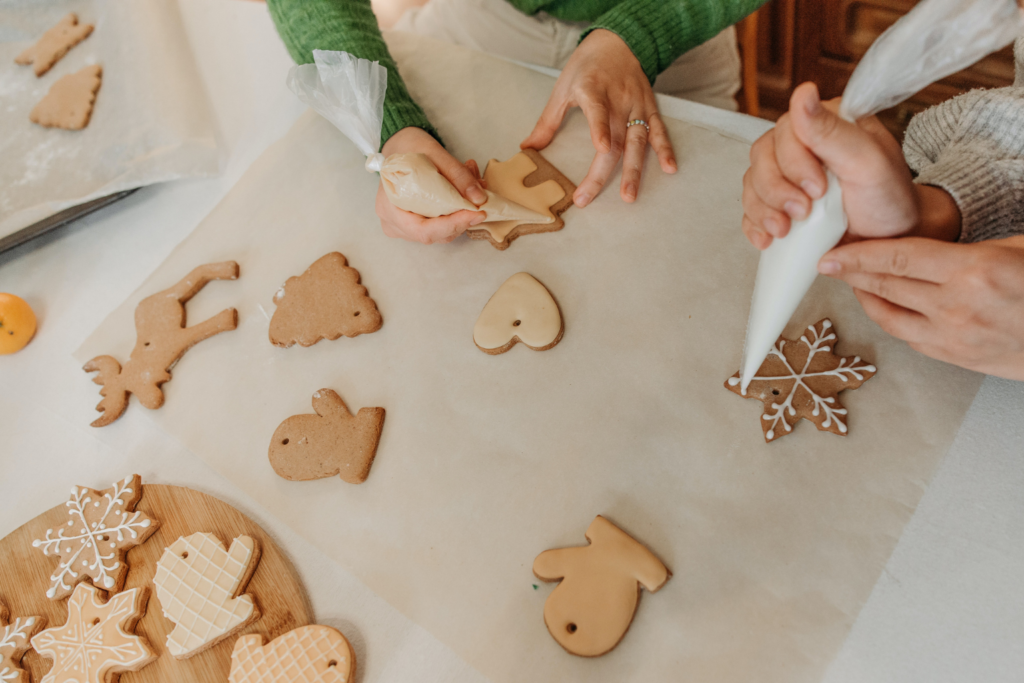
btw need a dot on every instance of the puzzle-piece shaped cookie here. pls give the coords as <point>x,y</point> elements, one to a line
<point>332,442</point>
<point>802,379</point>
<point>522,310</point>
<point>54,44</point>
<point>325,302</point>
<point>69,102</point>
<point>530,180</point>
<point>198,585</point>
<point>14,643</point>
<point>308,654</point>
<point>589,612</point>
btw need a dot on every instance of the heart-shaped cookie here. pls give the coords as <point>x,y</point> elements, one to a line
<point>522,310</point>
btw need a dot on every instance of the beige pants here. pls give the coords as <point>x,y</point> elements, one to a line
<point>709,73</point>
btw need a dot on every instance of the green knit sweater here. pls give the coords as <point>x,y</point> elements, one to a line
<point>657,31</point>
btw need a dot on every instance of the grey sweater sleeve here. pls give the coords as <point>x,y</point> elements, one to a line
<point>973,147</point>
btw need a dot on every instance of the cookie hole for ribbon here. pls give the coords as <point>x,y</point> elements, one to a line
<point>356,313</point>
<point>331,664</point>
<point>146,344</point>
<point>95,621</point>
<point>571,628</point>
<point>517,323</point>
<point>184,555</point>
<point>285,442</point>
<point>101,538</point>
<point>775,392</point>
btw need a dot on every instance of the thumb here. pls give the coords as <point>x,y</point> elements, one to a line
<point>544,132</point>
<point>464,180</point>
<point>840,144</point>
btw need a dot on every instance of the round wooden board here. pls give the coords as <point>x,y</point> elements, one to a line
<point>25,577</point>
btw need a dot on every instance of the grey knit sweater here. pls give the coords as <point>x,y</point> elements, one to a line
<point>972,146</point>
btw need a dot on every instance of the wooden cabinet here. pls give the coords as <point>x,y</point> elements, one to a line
<point>822,41</point>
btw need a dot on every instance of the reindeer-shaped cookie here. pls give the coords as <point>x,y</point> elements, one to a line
<point>589,612</point>
<point>162,340</point>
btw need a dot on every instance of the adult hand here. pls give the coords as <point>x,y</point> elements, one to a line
<point>465,178</point>
<point>786,174</point>
<point>959,303</point>
<point>606,81</point>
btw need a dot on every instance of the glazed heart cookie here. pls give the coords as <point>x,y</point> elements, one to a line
<point>522,310</point>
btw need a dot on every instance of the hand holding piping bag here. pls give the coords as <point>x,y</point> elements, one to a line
<point>425,194</point>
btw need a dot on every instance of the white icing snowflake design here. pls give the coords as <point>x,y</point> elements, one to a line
<point>13,640</point>
<point>851,373</point>
<point>100,529</point>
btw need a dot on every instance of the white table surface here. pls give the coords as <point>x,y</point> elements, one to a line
<point>949,606</point>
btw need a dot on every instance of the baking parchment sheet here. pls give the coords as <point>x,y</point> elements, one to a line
<point>151,121</point>
<point>486,461</point>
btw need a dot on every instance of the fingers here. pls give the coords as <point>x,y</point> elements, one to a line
<point>770,221</point>
<point>764,184</point>
<point>799,167</point>
<point>598,118</point>
<point>633,162</point>
<point>907,325</point>
<point>662,144</point>
<point>910,257</point>
<point>601,169</point>
<point>756,235</point>
<point>462,177</point>
<point>913,295</point>
<point>548,124</point>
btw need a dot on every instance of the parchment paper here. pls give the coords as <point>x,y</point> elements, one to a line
<point>486,461</point>
<point>151,121</point>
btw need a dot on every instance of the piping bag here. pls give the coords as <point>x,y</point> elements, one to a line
<point>935,39</point>
<point>349,92</point>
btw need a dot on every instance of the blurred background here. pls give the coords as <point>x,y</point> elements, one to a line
<point>788,42</point>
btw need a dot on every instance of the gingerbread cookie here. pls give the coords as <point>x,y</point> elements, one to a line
<point>589,612</point>
<point>325,302</point>
<point>530,180</point>
<point>810,392</point>
<point>14,642</point>
<point>68,105</point>
<point>54,44</point>
<point>98,642</point>
<point>102,526</point>
<point>308,654</point>
<point>198,585</point>
<point>162,340</point>
<point>522,310</point>
<point>332,442</point>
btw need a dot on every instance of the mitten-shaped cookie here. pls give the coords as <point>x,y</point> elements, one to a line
<point>308,654</point>
<point>589,612</point>
<point>332,442</point>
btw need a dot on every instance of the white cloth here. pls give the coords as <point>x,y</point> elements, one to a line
<point>709,73</point>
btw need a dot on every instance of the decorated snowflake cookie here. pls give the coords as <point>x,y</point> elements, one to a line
<point>102,526</point>
<point>14,642</point>
<point>309,654</point>
<point>197,583</point>
<point>98,640</point>
<point>801,379</point>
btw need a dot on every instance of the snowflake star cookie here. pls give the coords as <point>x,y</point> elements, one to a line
<point>802,379</point>
<point>309,654</point>
<point>14,642</point>
<point>197,582</point>
<point>102,526</point>
<point>97,642</point>
<point>590,611</point>
<point>522,310</point>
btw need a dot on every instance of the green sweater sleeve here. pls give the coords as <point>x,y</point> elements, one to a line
<point>349,26</point>
<point>659,31</point>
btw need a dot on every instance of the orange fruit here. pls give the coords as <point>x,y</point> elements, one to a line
<point>17,323</point>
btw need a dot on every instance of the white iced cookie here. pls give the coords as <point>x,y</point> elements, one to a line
<point>197,583</point>
<point>413,183</point>
<point>522,310</point>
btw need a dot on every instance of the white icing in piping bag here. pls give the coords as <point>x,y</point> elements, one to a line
<point>935,39</point>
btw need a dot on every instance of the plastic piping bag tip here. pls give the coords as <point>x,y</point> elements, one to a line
<point>374,162</point>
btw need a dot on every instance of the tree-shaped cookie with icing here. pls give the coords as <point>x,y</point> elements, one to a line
<point>198,585</point>
<point>530,180</point>
<point>98,642</point>
<point>308,654</point>
<point>14,642</point>
<point>102,526</point>
<point>522,310</point>
<point>590,611</point>
<point>332,442</point>
<point>325,302</point>
<point>802,379</point>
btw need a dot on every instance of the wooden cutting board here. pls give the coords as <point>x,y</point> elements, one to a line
<point>25,577</point>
